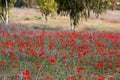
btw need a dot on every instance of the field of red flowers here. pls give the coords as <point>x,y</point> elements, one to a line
<point>59,55</point>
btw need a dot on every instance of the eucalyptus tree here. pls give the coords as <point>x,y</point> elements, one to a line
<point>5,6</point>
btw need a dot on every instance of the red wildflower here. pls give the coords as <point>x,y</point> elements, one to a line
<point>3,51</point>
<point>42,74</point>
<point>15,66</point>
<point>2,62</point>
<point>13,58</point>
<point>63,55</point>
<point>99,64</point>
<point>11,53</point>
<point>34,52</point>
<point>41,53</point>
<point>26,72</point>
<point>69,79</point>
<point>79,69</point>
<point>38,67</point>
<point>80,76</point>
<point>103,76</point>
<point>116,63</point>
<point>99,78</point>
<point>79,54</point>
<point>26,77</point>
<point>17,75</point>
<point>109,65</point>
<point>51,45</point>
<point>47,77</point>
<point>52,60</point>
<point>111,77</point>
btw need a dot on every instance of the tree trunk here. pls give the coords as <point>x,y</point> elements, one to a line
<point>46,19</point>
<point>7,18</point>
<point>73,28</point>
<point>88,13</point>
<point>31,3</point>
<point>97,15</point>
<point>71,24</point>
<point>6,15</point>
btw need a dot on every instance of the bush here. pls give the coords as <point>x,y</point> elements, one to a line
<point>118,7</point>
<point>20,3</point>
<point>27,18</point>
<point>38,17</point>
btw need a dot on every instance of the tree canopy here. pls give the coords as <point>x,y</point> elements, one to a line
<point>47,7</point>
<point>5,5</point>
<point>81,8</point>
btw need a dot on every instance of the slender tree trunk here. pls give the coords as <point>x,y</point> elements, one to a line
<point>2,16</point>
<point>97,15</point>
<point>6,15</point>
<point>73,28</point>
<point>46,19</point>
<point>88,13</point>
<point>71,24</point>
<point>7,18</point>
<point>30,3</point>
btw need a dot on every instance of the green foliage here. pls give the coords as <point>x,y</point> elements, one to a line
<point>20,3</point>
<point>26,1</point>
<point>38,17</point>
<point>10,3</point>
<point>100,6</point>
<point>29,3</point>
<point>27,18</point>
<point>81,8</point>
<point>118,6</point>
<point>5,6</point>
<point>47,6</point>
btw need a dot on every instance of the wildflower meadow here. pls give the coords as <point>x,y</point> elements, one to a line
<point>59,55</point>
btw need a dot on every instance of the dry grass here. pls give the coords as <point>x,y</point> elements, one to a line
<point>109,21</point>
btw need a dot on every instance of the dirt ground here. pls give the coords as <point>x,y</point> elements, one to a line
<point>109,21</point>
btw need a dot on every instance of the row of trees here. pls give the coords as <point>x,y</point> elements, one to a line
<point>74,8</point>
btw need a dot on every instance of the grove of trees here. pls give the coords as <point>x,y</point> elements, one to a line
<point>74,8</point>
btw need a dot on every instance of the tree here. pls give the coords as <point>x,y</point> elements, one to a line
<point>100,6</point>
<point>20,3</point>
<point>47,7</point>
<point>73,8</point>
<point>114,4</point>
<point>81,8</point>
<point>29,3</point>
<point>5,6</point>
